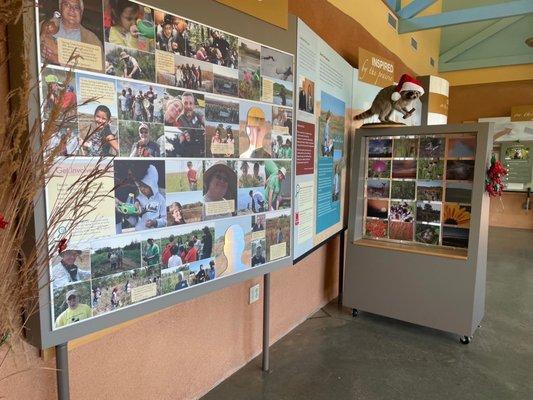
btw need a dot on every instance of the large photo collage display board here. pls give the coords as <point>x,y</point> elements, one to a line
<point>198,125</point>
<point>419,189</point>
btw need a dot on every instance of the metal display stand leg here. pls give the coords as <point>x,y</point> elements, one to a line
<point>63,391</point>
<point>341,264</point>
<point>266,322</point>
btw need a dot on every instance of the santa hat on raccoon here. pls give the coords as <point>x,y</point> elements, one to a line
<point>407,83</point>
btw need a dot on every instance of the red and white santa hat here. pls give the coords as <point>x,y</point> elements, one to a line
<point>407,82</point>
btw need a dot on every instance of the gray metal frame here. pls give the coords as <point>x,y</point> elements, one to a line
<point>429,290</point>
<point>39,328</point>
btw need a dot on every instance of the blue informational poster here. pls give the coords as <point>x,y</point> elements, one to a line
<point>323,124</point>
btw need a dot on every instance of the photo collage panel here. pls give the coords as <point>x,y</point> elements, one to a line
<point>419,189</point>
<point>197,125</point>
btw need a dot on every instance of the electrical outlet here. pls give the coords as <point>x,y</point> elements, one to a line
<point>254,293</point>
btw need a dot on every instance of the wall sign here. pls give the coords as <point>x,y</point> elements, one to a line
<point>522,113</point>
<point>375,69</point>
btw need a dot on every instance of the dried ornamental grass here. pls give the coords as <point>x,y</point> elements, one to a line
<point>29,158</point>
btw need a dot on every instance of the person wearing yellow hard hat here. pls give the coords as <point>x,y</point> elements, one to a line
<point>256,129</point>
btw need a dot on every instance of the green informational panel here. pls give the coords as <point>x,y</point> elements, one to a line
<point>188,116</point>
<point>516,156</point>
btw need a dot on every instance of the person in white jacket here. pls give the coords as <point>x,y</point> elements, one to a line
<point>151,202</point>
<point>66,271</point>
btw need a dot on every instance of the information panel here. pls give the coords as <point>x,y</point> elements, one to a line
<point>197,124</point>
<point>322,128</point>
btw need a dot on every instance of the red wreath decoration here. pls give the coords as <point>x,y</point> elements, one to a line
<point>494,182</point>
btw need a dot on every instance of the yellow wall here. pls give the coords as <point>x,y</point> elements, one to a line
<point>372,15</point>
<point>272,11</point>
<point>489,75</point>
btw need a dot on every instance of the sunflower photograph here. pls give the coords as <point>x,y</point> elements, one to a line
<point>456,214</point>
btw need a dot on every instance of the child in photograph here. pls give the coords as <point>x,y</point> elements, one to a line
<point>165,39</point>
<point>258,179</point>
<point>123,31</point>
<point>211,272</point>
<point>150,203</point>
<point>176,213</point>
<point>145,147</point>
<point>165,256</point>
<point>192,253</point>
<point>100,140</point>
<point>75,311</point>
<point>192,177</point>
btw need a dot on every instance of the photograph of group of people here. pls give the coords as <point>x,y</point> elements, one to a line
<point>120,38</point>
<point>419,189</point>
<point>200,123</point>
<point>110,274</point>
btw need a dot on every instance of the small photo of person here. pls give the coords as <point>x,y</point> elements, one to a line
<point>277,185</point>
<point>193,74</point>
<point>258,252</point>
<point>184,197</point>
<point>220,47</point>
<point>72,304</point>
<point>232,249</point>
<point>306,95</point>
<point>283,92</point>
<point>66,141</point>
<point>59,93</point>
<point>278,231</point>
<point>276,64</point>
<point>151,252</point>
<point>281,146</point>
<point>184,176</point>
<point>251,191</point>
<point>191,243</point>
<point>222,111</point>
<point>221,140</point>
<point>220,189</point>
<point>258,224</point>
<point>173,34</point>
<point>97,119</point>
<point>226,81</point>
<point>255,124</point>
<point>129,25</point>
<point>140,102</point>
<point>128,63</point>
<point>331,126</point>
<point>281,121</point>
<point>141,139</point>
<point>249,70</point>
<point>184,124</point>
<point>122,254</point>
<point>139,195</point>
<point>71,266</point>
<point>74,23</point>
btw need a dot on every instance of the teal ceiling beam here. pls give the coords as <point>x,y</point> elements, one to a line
<point>478,38</point>
<point>414,8</point>
<point>473,14</point>
<point>394,5</point>
<point>486,62</point>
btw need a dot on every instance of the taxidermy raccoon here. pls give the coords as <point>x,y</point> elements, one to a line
<point>395,97</point>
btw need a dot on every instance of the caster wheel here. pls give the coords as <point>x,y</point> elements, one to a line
<point>465,339</point>
<point>355,312</point>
